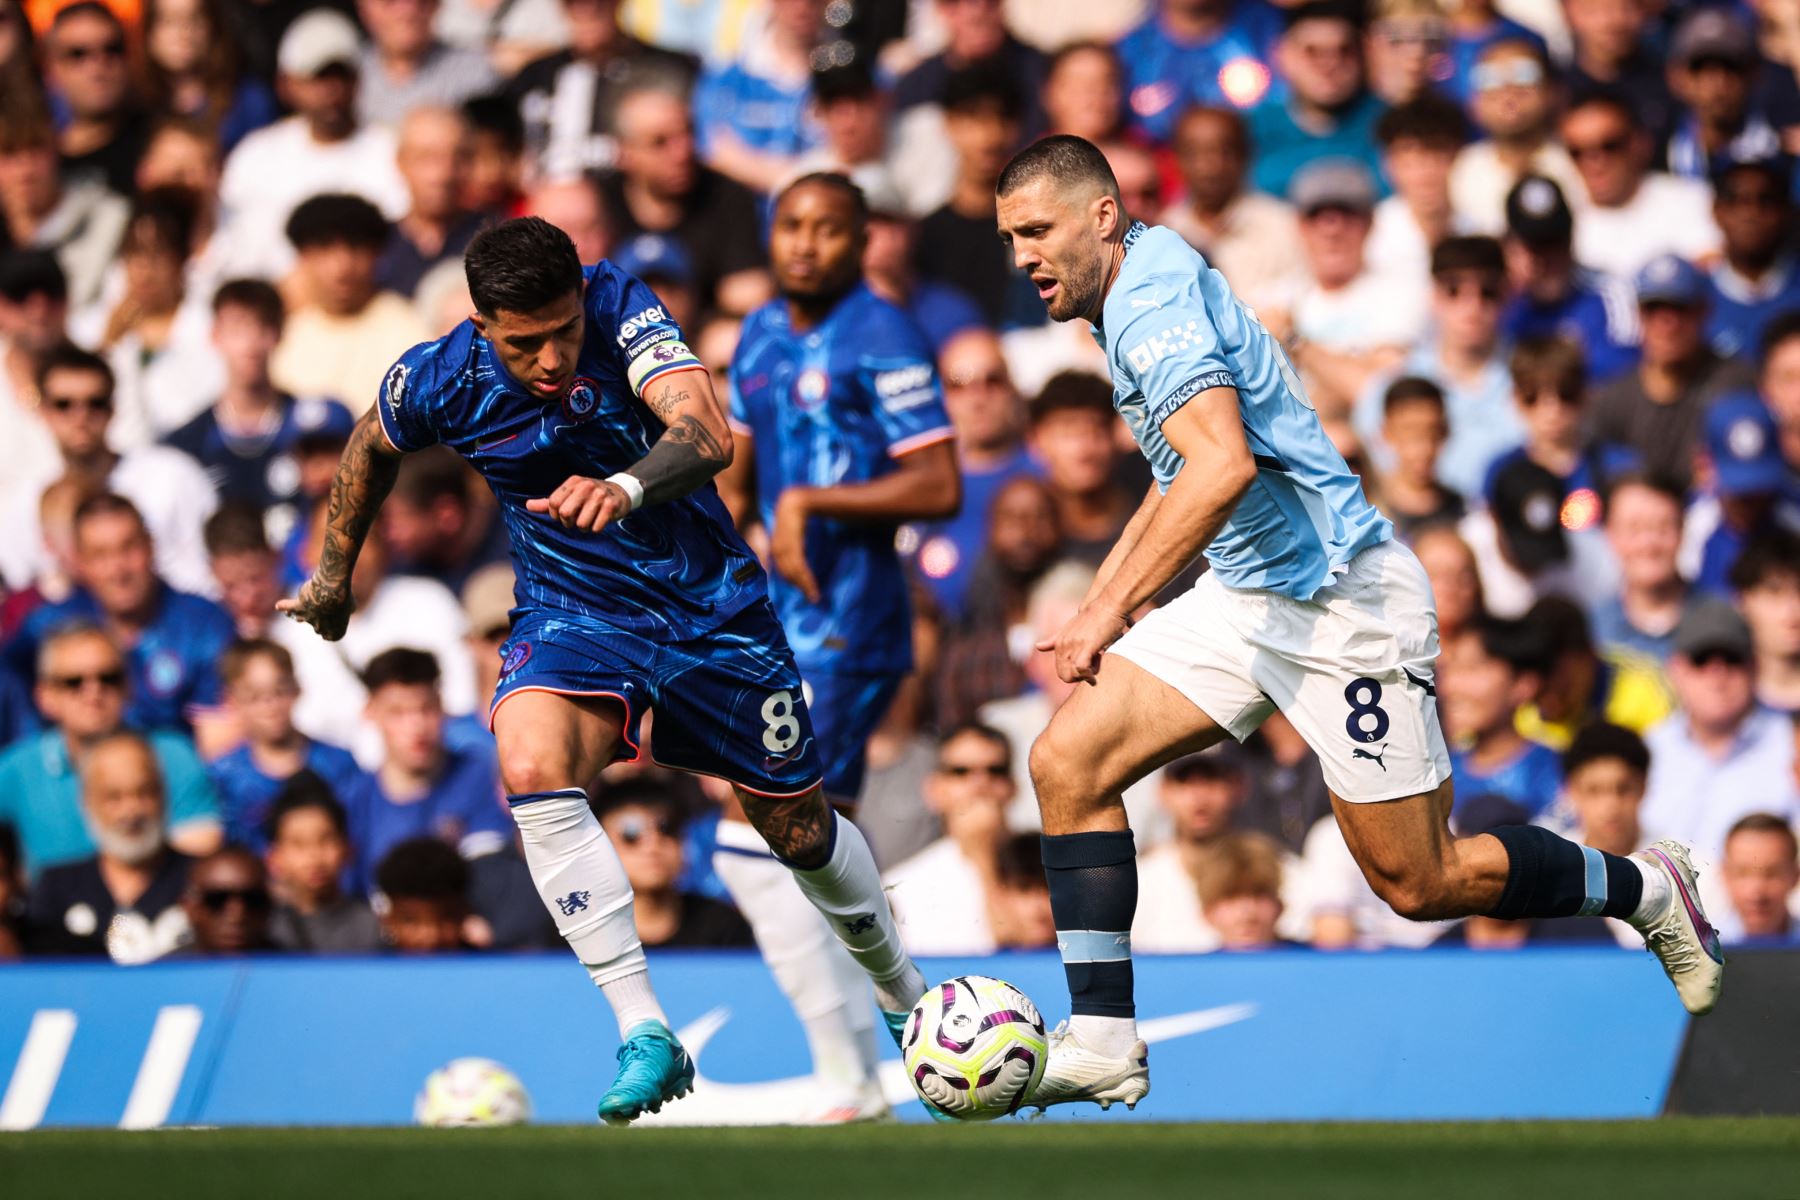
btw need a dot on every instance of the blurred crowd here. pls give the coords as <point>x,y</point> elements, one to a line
<point>1535,262</point>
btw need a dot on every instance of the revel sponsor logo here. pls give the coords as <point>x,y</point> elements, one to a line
<point>638,323</point>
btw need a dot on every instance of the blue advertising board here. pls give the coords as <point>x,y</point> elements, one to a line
<point>1281,1036</point>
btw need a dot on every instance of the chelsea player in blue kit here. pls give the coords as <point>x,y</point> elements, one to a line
<point>571,392</point>
<point>841,436</point>
<point>1309,606</point>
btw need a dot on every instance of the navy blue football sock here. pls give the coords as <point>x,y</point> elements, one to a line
<point>1550,876</point>
<point>1093,896</point>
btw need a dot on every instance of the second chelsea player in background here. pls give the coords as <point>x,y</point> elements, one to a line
<point>841,436</point>
<point>571,392</point>
<point>1309,606</point>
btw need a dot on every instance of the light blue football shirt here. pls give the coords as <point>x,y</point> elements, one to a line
<point>1171,329</point>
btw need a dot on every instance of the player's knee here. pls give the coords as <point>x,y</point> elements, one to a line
<point>1061,777</point>
<point>526,768</point>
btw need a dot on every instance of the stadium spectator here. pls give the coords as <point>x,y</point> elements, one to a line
<point>103,130</point>
<point>172,638</point>
<point>944,896</point>
<point>322,148</point>
<point>1657,410</point>
<point>493,178</point>
<point>439,522</point>
<point>55,580</point>
<point>1202,795</point>
<point>1549,388</point>
<point>1250,236</point>
<point>1749,478</point>
<point>245,566</point>
<point>1757,278</point>
<point>1712,62</point>
<point>1643,527</point>
<point>260,692</point>
<point>940,311</point>
<point>1719,756</point>
<point>1419,141</point>
<point>1455,578</point>
<point>644,823</point>
<point>1760,872</point>
<point>1627,216</point>
<point>1586,684</point>
<point>975,35</point>
<point>852,110</point>
<point>1604,774</point>
<point>12,897</point>
<point>1553,296</point>
<point>573,206</point>
<point>184,154</point>
<point>1483,678</point>
<point>193,70</point>
<point>308,837</point>
<point>487,601</point>
<point>1524,551</point>
<point>345,331</point>
<point>34,304</point>
<point>422,786</point>
<point>404,67</point>
<point>423,897</point>
<point>753,113</point>
<point>228,906</point>
<point>43,208</point>
<point>81,681</point>
<point>1241,893</point>
<point>1611,44</point>
<point>1778,382</point>
<point>1084,94</point>
<point>1474,28</point>
<point>663,265</point>
<point>1766,578</point>
<point>1415,428</point>
<point>125,900</point>
<point>1466,358</point>
<point>1403,49</point>
<point>1072,422</point>
<point>1207,52</point>
<point>1287,787</point>
<point>1019,901</point>
<point>662,187</point>
<point>1325,112</point>
<point>1136,171</point>
<point>1513,104</point>
<point>433,157</point>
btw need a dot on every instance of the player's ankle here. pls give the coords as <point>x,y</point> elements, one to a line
<point>1657,897</point>
<point>902,992</point>
<point>1112,1037</point>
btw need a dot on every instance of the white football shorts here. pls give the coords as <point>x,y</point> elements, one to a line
<point>1352,668</point>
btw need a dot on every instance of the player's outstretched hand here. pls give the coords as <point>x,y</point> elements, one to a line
<point>327,611</point>
<point>787,543</point>
<point>1079,644</point>
<point>583,503</point>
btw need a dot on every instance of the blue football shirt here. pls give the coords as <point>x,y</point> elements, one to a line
<point>464,807</point>
<point>672,571</point>
<point>247,794</point>
<point>1166,76</point>
<point>838,403</point>
<point>1172,329</point>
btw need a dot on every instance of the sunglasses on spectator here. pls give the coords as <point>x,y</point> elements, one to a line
<point>633,830</point>
<point>1520,72</point>
<point>1610,147</point>
<point>96,403</point>
<point>964,770</point>
<point>113,679</point>
<point>219,899</point>
<point>113,49</point>
<point>1729,658</point>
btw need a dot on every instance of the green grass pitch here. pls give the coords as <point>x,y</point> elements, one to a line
<point>1696,1159</point>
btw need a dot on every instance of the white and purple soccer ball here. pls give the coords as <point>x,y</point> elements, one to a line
<point>472,1092</point>
<point>975,1048</point>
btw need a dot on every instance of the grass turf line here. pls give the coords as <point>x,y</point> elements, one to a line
<point>1696,1159</point>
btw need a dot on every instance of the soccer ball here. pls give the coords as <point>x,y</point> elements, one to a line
<point>472,1091</point>
<point>975,1048</point>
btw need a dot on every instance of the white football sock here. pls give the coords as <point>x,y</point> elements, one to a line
<point>1112,1036</point>
<point>1658,894</point>
<point>583,885</point>
<point>827,989</point>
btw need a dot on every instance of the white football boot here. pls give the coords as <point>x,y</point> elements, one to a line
<point>1075,1074</point>
<point>1680,935</point>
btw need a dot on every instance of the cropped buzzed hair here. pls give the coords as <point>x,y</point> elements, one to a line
<point>1063,157</point>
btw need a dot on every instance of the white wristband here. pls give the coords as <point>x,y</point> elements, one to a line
<point>631,486</point>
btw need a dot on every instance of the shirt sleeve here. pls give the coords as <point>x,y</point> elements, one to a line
<point>644,337</point>
<point>1169,347</point>
<point>907,399</point>
<point>408,407</point>
<point>192,796</point>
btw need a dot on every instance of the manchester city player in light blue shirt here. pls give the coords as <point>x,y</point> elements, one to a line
<point>1310,607</point>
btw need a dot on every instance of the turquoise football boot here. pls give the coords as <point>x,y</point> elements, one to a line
<point>653,1069</point>
<point>896,1025</point>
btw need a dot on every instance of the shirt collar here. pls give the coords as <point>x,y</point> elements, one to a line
<point>1741,289</point>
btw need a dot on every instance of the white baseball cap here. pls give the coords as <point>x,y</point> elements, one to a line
<point>318,39</point>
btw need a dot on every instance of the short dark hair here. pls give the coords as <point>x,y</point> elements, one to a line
<point>1412,389</point>
<point>497,116</point>
<point>1782,329</point>
<point>1549,363</point>
<point>1072,391</point>
<point>853,80</point>
<point>402,665</point>
<point>67,356</point>
<point>1563,624</point>
<point>337,219</point>
<point>1518,644</point>
<point>433,474</point>
<point>1763,822</point>
<point>27,273</point>
<point>237,528</point>
<point>1603,96</point>
<point>1347,11</point>
<point>980,86</point>
<point>107,504</point>
<point>1063,157</point>
<point>258,297</point>
<point>980,729</point>
<point>242,652</point>
<point>1232,119</point>
<point>835,181</point>
<point>170,214</point>
<point>1430,119</point>
<point>1467,252</point>
<point>1772,554</point>
<point>305,789</point>
<point>639,793</point>
<point>520,266</point>
<point>1020,863</point>
<point>1659,482</point>
<point>423,868</point>
<point>1603,740</point>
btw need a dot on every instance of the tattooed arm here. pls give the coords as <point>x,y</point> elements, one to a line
<point>365,474</point>
<point>695,447</point>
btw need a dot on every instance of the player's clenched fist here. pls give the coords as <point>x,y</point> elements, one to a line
<point>583,503</point>
<point>326,610</point>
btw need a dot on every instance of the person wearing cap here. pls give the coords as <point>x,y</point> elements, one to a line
<point>1747,477</point>
<point>666,268</point>
<point>1657,409</point>
<point>752,114</point>
<point>661,187</point>
<point>1719,756</point>
<point>1522,551</point>
<point>1766,581</point>
<point>1615,48</point>
<point>1626,214</point>
<point>80,220</point>
<point>1513,105</point>
<point>1553,295</point>
<point>404,66</point>
<point>1758,277</point>
<point>433,157</point>
<point>1349,323</point>
<point>1325,111</point>
<point>1713,62</point>
<point>321,148</point>
<point>34,310</point>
